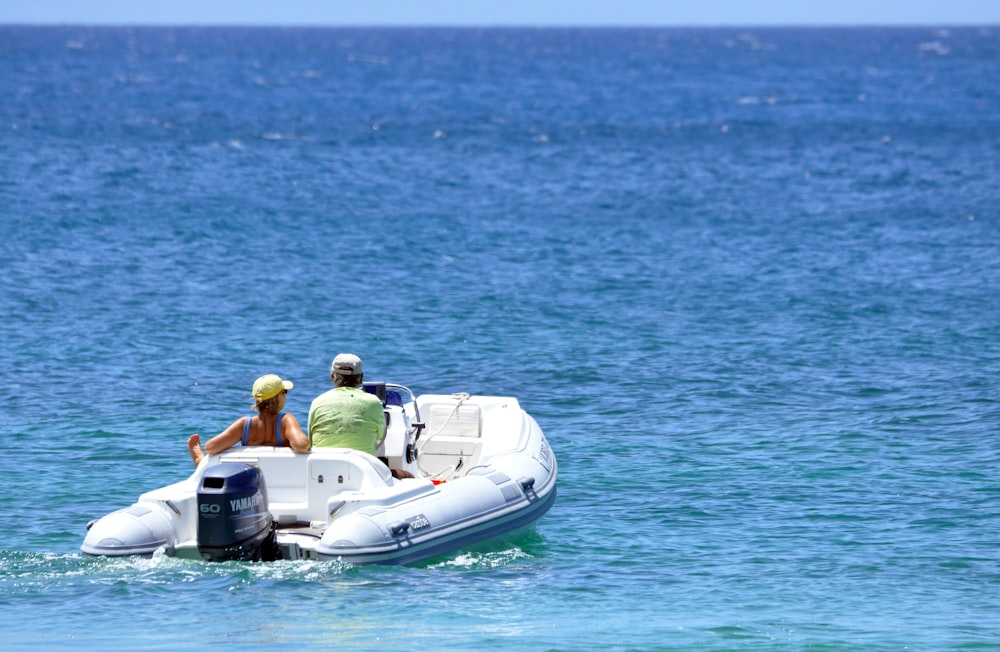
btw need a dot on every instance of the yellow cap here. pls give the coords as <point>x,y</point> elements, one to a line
<point>269,386</point>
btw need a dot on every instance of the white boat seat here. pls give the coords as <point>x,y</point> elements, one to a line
<point>452,440</point>
<point>293,477</point>
<point>454,420</point>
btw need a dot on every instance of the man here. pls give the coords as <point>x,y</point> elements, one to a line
<point>347,416</point>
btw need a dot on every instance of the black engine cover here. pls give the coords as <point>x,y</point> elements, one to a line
<point>233,519</point>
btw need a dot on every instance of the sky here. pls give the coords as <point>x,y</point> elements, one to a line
<point>540,13</point>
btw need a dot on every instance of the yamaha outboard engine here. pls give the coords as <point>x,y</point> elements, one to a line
<point>233,519</point>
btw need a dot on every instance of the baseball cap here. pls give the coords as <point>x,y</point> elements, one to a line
<point>346,364</point>
<point>269,386</point>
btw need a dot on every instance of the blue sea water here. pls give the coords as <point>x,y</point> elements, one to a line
<point>745,279</point>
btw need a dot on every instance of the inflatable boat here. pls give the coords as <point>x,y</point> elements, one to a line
<point>481,465</point>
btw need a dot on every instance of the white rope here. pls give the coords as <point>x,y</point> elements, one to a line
<point>460,397</point>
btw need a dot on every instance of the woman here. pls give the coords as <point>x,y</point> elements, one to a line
<point>270,427</point>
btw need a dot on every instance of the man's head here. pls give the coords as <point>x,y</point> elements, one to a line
<point>346,370</point>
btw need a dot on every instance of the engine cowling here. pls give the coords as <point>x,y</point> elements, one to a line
<point>233,518</point>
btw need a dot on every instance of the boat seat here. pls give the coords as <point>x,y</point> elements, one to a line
<point>453,439</point>
<point>299,485</point>
<point>284,475</point>
<point>454,420</point>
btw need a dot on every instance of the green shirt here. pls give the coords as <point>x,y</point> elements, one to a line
<point>346,417</point>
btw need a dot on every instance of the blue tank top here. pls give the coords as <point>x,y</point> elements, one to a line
<point>277,430</point>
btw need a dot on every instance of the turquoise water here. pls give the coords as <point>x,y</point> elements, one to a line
<point>745,280</point>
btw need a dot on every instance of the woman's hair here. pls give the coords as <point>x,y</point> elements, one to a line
<point>269,405</point>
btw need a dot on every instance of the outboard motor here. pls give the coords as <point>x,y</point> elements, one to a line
<point>233,519</point>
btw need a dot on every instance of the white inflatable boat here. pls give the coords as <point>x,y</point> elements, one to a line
<point>481,467</point>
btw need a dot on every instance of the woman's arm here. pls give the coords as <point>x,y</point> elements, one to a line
<point>292,431</point>
<point>226,438</point>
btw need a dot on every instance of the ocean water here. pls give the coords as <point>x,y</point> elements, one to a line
<point>746,280</point>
